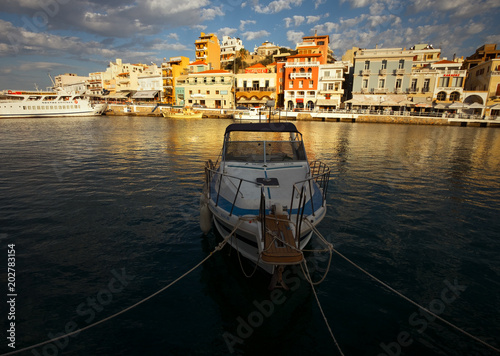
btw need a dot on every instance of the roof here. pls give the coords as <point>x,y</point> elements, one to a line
<point>197,63</point>
<point>257,65</point>
<point>263,127</point>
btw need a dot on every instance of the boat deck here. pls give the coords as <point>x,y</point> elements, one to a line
<point>279,243</point>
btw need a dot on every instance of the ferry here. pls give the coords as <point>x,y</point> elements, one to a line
<point>16,104</point>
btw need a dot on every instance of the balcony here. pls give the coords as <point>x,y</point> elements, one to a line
<point>301,75</point>
<point>380,90</point>
<point>324,79</point>
<point>400,71</point>
<point>302,64</point>
<point>365,72</point>
<point>382,72</point>
<point>495,72</point>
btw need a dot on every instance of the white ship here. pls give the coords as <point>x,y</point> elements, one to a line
<point>15,104</point>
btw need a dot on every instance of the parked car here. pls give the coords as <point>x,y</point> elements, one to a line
<point>240,107</point>
<point>200,106</point>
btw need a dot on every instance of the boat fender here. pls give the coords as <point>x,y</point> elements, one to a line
<point>9,92</point>
<point>278,209</point>
<point>205,215</point>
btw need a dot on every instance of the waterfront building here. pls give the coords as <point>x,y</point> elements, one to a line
<point>331,85</point>
<point>425,54</point>
<point>208,50</point>
<point>71,82</point>
<point>300,80</point>
<point>449,83</point>
<point>485,78</point>
<point>381,76</point>
<point>150,86</point>
<point>484,53</point>
<point>98,83</point>
<point>124,77</point>
<point>255,87</point>
<point>211,88</point>
<point>172,69</point>
<point>229,49</point>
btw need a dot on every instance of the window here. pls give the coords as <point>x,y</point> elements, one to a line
<point>398,83</point>
<point>401,64</point>
<point>384,64</point>
<point>365,84</point>
<point>217,92</point>
<point>381,83</point>
<point>441,96</point>
<point>444,82</point>
<point>311,84</point>
<point>367,65</point>
<point>426,85</point>
<point>290,84</point>
<point>326,73</point>
<point>457,82</point>
<point>413,86</point>
<point>455,96</point>
<point>301,83</point>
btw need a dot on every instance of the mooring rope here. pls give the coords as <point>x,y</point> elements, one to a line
<point>217,248</point>
<point>403,296</point>
<point>308,278</point>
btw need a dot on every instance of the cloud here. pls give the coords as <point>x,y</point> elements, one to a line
<point>113,17</point>
<point>317,3</point>
<point>294,36</point>
<point>250,35</point>
<point>296,20</point>
<point>243,23</point>
<point>459,8</point>
<point>276,6</point>
<point>313,19</point>
<point>226,31</point>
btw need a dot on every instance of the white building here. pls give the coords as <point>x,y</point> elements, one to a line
<point>229,48</point>
<point>331,85</point>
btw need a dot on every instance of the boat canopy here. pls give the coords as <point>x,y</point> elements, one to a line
<point>263,127</point>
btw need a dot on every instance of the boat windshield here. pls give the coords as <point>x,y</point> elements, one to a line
<point>265,151</point>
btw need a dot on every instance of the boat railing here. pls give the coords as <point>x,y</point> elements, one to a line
<point>211,172</point>
<point>319,175</point>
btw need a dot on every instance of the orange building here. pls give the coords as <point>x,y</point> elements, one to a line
<point>301,73</point>
<point>314,45</point>
<point>208,50</point>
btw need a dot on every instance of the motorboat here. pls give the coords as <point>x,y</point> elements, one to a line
<point>14,104</point>
<point>252,114</point>
<point>186,113</point>
<point>265,193</point>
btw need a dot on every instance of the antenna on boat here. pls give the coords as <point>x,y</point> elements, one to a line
<point>51,79</point>
<point>36,87</point>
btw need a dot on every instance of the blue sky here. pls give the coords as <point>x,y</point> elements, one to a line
<point>82,36</point>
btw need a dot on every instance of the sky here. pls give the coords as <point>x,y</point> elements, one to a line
<point>38,37</point>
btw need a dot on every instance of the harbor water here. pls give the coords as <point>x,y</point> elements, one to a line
<point>102,212</point>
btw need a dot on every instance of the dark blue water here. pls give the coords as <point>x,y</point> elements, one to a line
<point>103,212</point>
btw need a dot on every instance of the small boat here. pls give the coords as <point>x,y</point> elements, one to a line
<point>186,113</point>
<point>252,114</point>
<point>14,104</point>
<point>264,191</point>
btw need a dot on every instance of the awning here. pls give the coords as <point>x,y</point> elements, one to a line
<point>299,100</point>
<point>476,106</point>
<point>145,94</point>
<point>117,96</point>
<point>423,105</point>
<point>326,102</point>
<point>458,105</point>
<point>440,106</point>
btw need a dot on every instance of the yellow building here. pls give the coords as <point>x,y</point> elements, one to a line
<point>485,77</point>
<point>175,67</point>
<point>211,88</point>
<point>208,50</point>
